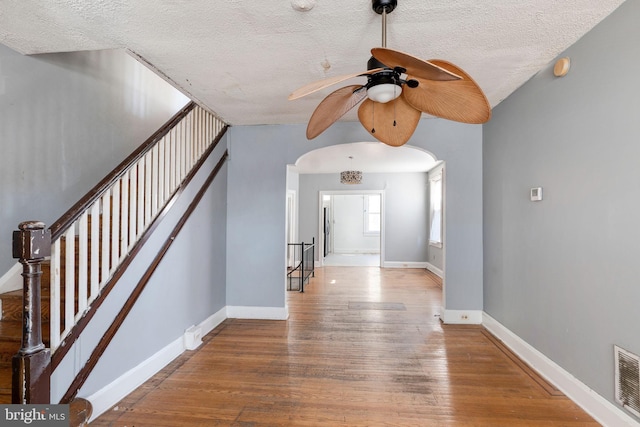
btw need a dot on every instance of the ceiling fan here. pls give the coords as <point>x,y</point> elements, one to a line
<point>399,88</point>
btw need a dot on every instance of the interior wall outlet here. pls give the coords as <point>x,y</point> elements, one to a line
<point>536,194</point>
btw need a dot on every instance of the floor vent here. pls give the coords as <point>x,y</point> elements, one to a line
<point>628,380</point>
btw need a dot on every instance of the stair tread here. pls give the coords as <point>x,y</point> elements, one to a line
<point>17,293</point>
<point>7,350</point>
<point>12,306</point>
<point>11,330</point>
<point>5,396</point>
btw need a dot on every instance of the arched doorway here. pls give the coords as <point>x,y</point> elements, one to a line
<point>401,173</point>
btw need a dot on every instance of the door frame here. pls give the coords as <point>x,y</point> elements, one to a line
<point>321,195</point>
<point>291,225</point>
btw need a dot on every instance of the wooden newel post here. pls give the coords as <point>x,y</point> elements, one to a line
<point>32,365</point>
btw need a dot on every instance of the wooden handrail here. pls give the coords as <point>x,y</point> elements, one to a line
<point>93,239</point>
<point>82,323</point>
<point>69,217</point>
<point>86,370</point>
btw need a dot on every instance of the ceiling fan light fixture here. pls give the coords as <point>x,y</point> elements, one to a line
<point>384,92</point>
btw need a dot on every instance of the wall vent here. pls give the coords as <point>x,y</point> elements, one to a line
<point>628,380</point>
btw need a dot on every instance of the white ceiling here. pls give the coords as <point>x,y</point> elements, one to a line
<point>372,157</point>
<point>241,58</point>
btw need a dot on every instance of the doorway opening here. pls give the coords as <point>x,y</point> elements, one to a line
<point>291,227</point>
<point>351,228</point>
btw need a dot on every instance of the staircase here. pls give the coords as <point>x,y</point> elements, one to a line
<point>97,251</point>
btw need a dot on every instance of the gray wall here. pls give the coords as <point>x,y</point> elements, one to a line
<point>563,273</point>
<point>405,210</point>
<point>256,201</point>
<point>348,224</point>
<point>66,120</point>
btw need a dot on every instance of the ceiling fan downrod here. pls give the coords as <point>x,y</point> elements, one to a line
<point>383,7</point>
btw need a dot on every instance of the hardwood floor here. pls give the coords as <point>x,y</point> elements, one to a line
<point>363,347</point>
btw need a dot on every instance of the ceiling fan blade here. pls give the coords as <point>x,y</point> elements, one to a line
<point>392,123</point>
<point>461,100</point>
<point>414,66</point>
<point>334,106</point>
<point>321,84</point>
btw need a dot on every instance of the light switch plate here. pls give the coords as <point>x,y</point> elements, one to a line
<point>536,194</point>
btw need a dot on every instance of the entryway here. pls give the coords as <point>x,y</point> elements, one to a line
<point>351,228</point>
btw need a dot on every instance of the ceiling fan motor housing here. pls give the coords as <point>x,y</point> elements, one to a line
<point>380,6</point>
<point>373,64</point>
<point>384,77</point>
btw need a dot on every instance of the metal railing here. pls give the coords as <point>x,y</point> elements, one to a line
<point>303,266</point>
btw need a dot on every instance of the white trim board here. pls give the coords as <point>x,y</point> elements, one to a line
<point>435,270</point>
<point>12,279</point>
<point>262,313</point>
<point>349,251</point>
<point>114,392</point>
<point>407,264</point>
<point>461,317</point>
<point>603,411</point>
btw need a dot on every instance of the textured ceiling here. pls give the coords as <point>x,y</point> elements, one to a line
<point>241,58</point>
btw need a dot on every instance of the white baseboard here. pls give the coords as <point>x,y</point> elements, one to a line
<point>108,396</point>
<point>12,279</point>
<point>603,411</point>
<point>461,317</point>
<point>356,251</point>
<point>400,264</point>
<point>435,270</point>
<point>211,322</point>
<point>263,313</point>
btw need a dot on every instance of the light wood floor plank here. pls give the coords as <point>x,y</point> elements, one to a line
<point>363,346</point>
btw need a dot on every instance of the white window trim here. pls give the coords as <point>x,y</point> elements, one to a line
<point>365,212</point>
<point>437,177</point>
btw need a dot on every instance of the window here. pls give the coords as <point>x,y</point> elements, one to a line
<point>372,215</point>
<point>435,211</point>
